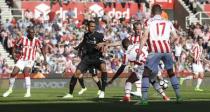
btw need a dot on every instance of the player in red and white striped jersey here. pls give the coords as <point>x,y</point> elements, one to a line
<point>157,35</point>
<point>137,69</point>
<point>29,47</point>
<point>134,39</point>
<point>198,69</point>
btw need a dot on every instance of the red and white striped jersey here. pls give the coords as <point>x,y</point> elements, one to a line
<point>29,48</point>
<point>131,54</point>
<point>135,39</point>
<point>197,52</point>
<point>159,34</point>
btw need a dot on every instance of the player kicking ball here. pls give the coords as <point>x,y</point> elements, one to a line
<point>137,69</point>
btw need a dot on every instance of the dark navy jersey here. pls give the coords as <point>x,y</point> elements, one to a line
<point>91,40</point>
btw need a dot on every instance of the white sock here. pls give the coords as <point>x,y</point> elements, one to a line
<point>138,85</point>
<point>188,77</point>
<point>11,83</point>
<point>28,84</point>
<point>158,88</point>
<point>199,82</point>
<point>128,87</point>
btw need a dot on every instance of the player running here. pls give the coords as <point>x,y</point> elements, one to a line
<point>197,66</point>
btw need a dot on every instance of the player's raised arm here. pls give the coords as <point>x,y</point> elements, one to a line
<point>144,39</point>
<point>107,44</point>
<point>174,37</point>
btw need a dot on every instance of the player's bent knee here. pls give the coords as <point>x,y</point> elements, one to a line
<point>170,73</point>
<point>133,78</point>
<point>146,72</point>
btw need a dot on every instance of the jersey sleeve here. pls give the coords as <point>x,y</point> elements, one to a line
<point>143,55</point>
<point>146,24</point>
<point>172,27</point>
<point>38,43</point>
<point>125,59</point>
<point>20,41</point>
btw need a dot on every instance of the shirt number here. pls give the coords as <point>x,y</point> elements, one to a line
<point>160,28</point>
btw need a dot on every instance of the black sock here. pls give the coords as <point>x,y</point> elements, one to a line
<point>72,84</point>
<point>81,82</point>
<point>99,84</point>
<point>104,80</point>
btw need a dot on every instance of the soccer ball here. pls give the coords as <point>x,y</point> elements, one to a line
<point>163,84</point>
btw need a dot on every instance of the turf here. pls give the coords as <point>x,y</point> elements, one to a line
<point>44,100</point>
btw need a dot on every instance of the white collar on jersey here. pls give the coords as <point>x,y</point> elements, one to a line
<point>157,17</point>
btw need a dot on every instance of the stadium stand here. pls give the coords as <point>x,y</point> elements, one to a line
<point>61,34</point>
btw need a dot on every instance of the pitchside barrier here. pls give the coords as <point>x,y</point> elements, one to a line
<point>64,83</point>
<point>53,75</point>
<point>56,81</point>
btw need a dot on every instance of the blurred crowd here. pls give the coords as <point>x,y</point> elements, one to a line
<point>192,4</point>
<point>61,36</point>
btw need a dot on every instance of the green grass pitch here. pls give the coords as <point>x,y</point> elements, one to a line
<point>50,100</point>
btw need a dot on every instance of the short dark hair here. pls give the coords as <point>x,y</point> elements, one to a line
<point>156,9</point>
<point>125,42</point>
<point>89,22</point>
<point>136,24</point>
<point>30,28</point>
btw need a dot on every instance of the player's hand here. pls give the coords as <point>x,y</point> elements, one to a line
<point>99,45</point>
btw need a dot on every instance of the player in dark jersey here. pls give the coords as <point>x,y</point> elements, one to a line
<point>92,58</point>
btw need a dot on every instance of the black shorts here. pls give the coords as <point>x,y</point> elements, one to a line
<point>93,71</point>
<point>88,63</point>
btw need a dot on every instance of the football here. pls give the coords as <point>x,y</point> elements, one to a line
<point>164,84</point>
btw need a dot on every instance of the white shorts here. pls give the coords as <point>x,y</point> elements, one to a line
<point>197,68</point>
<point>22,64</point>
<point>139,71</point>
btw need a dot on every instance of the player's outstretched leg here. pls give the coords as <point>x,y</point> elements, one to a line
<point>98,83</point>
<point>181,81</point>
<point>144,87</point>
<point>26,73</point>
<point>175,84</point>
<point>128,87</point>
<point>28,86</point>
<point>81,82</point>
<point>199,81</point>
<point>104,82</point>
<point>11,81</point>
<point>159,89</point>
<point>71,87</point>
<point>138,89</point>
<point>11,85</point>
